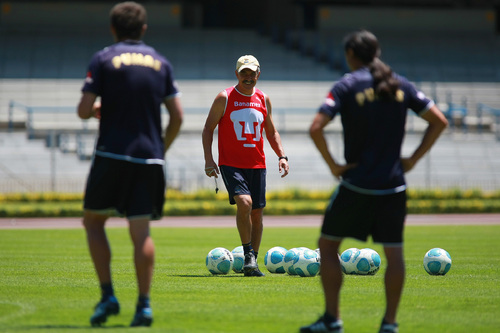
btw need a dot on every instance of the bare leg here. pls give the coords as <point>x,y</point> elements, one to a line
<point>144,253</point>
<point>243,221</point>
<point>99,248</point>
<point>394,281</point>
<point>331,275</point>
<point>257,228</point>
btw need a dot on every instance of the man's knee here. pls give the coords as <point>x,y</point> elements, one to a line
<point>93,220</point>
<point>243,202</point>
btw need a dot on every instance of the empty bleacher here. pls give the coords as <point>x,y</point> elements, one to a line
<point>42,70</point>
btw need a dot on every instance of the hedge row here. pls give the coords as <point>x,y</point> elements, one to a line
<point>222,207</point>
<point>292,194</point>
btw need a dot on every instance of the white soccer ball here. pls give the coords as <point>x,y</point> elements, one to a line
<point>437,261</point>
<point>319,256</point>
<point>318,252</point>
<point>289,259</point>
<point>239,259</point>
<point>368,262</point>
<point>306,263</point>
<point>360,261</point>
<point>219,261</point>
<point>347,259</point>
<point>275,259</point>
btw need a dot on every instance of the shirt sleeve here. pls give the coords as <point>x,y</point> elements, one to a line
<point>171,88</point>
<point>418,102</point>
<point>333,101</point>
<point>92,79</point>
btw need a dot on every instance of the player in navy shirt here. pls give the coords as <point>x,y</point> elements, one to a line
<point>372,102</point>
<point>126,177</point>
<point>373,130</point>
<point>133,80</point>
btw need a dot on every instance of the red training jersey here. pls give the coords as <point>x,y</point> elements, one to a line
<point>241,144</point>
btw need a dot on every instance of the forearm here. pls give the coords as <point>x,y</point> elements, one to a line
<point>432,133</point>
<point>87,108</point>
<point>322,146</point>
<point>176,116</point>
<point>207,141</point>
<point>171,132</point>
<point>274,140</point>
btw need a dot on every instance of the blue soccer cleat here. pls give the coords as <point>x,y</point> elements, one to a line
<point>103,310</point>
<point>142,317</point>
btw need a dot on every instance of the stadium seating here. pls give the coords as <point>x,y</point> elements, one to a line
<point>210,54</point>
<point>46,67</point>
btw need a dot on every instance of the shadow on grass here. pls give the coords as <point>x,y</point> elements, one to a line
<point>208,276</point>
<point>65,327</point>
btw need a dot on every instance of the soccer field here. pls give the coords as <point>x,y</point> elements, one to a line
<point>47,283</point>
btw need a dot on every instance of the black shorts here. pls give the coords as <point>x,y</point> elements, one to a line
<point>245,181</point>
<point>124,188</point>
<point>351,214</point>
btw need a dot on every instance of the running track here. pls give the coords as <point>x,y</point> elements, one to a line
<point>229,221</point>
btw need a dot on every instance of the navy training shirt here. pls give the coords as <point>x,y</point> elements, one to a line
<point>373,130</point>
<point>133,80</point>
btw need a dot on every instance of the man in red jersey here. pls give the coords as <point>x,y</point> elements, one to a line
<point>242,112</point>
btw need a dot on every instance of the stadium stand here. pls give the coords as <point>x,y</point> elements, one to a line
<point>42,69</point>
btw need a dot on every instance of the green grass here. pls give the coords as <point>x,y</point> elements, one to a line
<point>47,284</point>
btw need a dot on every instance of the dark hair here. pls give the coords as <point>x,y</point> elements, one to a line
<point>366,48</point>
<point>128,18</point>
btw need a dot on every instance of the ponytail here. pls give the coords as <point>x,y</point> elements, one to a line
<point>384,83</point>
<point>365,46</point>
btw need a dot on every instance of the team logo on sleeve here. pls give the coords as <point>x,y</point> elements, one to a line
<point>88,78</point>
<point>330,101</point>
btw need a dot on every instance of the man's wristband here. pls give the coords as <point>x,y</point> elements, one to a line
<point>283,157</point>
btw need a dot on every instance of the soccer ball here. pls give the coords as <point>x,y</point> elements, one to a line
<point>318,252</point>
<point>368,262</point>
<point>289,259</point>
<point>219,261</point>
<point>360,261</point>
<point>306,263</point>
<point>347,259</point>
<point>239,259</point>
<point>437,261</point>
<point>319,257</point>
<point>274,260</point>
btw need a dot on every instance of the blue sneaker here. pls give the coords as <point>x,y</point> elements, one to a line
<point>142,317</point>
<point>103,310</point>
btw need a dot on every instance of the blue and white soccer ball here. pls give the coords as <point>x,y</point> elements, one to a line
<point>368,262</point>
<point>437,261</point>
<point>306,263</point>
<point>275,259</point>
<point>239,259</point>
<point>319,255</point>
<point>360,261</point>
<point>289,259</point>
<point>318,252</point>
<point>347,259</point>
<point>219,261</point>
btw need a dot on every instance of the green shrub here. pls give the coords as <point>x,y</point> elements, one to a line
<point>288,202</point>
